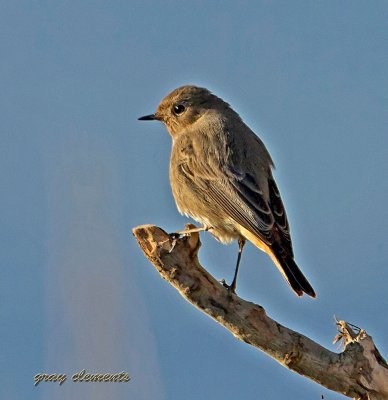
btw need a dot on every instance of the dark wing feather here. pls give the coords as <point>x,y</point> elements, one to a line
<point>279,213</point>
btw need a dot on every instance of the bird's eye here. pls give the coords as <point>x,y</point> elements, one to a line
<point>178,108</point>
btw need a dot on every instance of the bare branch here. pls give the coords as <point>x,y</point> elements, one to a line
<point>358,372</point>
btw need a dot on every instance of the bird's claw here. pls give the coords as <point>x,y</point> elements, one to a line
<point>230,288</point>
<point>174,239</point>
<point>223,283</point>
<point>175,235</point>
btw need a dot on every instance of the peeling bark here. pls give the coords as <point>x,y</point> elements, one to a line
<point>358,372</point>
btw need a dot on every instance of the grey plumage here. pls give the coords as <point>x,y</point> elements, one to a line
<point>221,176</point>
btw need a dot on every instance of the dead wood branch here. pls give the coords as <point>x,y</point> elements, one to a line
<point>359,372</point>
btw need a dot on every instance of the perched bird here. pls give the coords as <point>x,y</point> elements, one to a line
<point>221,176</point>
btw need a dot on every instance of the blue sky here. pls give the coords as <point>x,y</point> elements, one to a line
<point>78,172</point>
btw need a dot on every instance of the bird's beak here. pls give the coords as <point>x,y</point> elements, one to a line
<point>150,117</point>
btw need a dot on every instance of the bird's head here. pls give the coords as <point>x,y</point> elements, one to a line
<point>184,106</point>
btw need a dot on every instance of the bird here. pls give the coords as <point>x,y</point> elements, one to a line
<point>221,175</point>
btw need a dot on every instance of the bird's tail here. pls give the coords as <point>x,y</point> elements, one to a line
<point>285,264</point>
<point>294,276</point>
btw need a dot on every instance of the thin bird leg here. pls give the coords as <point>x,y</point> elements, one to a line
<point>176,235</point>
<point>232,287</point>
<point>194,230</point>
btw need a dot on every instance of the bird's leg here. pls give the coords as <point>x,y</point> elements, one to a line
<point>187,232</point>
<point>176,235</point>
<point>232,287</point>
<point>241,243</point>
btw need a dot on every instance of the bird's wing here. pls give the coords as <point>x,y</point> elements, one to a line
<point>250,197</point>
<point>237,194</point>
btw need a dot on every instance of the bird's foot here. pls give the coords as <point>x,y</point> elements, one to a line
<point>175,236</point>
<point>231,288</point>
<point>190,229</point>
